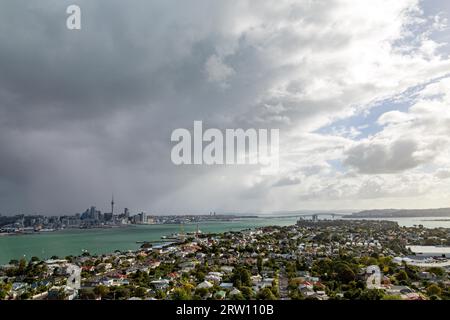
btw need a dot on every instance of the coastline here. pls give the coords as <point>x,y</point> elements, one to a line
<point>103,240</point>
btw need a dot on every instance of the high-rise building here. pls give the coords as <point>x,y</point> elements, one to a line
<point>92,213</point>
<point>108,216</point>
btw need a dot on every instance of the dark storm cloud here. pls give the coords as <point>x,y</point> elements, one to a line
<point>90,112</point>
<point>114,62</point>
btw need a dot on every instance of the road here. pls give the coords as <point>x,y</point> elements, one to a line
<point>283,285</point>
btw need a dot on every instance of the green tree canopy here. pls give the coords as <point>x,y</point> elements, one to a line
<point>265,294</point>
<point>434,290</point>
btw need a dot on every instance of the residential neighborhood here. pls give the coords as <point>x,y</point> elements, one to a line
<point>320,260</point>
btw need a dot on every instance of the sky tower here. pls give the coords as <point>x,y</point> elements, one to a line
<point>112,205</point>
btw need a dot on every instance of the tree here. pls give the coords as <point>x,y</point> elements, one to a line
<point>5,288</point>
<point>265,294</point>
<point>200,276</point>
<point>140,292</point>
<point>22,265</point>
<point>241,277</point>
<point>402,276</point>
<point>295,295</point>
<point>275,287</point>
<point>247,292</point>
<point>160,294</point>
<point>101,291</point>
<point>122,293</point>
<point>353,294</point>
<point>392,297</point>
<point>259,264</point>
<point>201,292</point>
<point>345,274</point>
<point>239,296</point>
<point>86,294</point>
<point>372,294</point>
<point>437,271</point>
<point>180,294</point>
<point>434,290</point>
<point>25,296</point>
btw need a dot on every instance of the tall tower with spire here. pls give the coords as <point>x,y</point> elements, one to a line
<point>112,205</point>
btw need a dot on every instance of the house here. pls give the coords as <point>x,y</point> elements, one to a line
<point>18,288</point>
<point>135,269</point>
<point>117,275</point>
<point>262,284</point>
<point>267,282</point>
<point>213,278</point>
<point>217,274</point>
<point>256,279</point>
<point>399,290</point>
<point>153,263</point>
<point>42,283</point>
<point>114,282</point>
<point>173,275</point>
<point>160,284</point>
<point>205,285</point>
<point>234,293</point>
<point>88,268</point>
<point>412,296</point>
<point>306,287</point>
<point>200,255</point>
<point>220,295</point>
<point>188,265</point>
<point>102,267</point>
<point>66,292</point>
<point>227,269</point>
<point>226,285</point>
<point>303,273</point>
<point>322,295</point>
<point>424,275</point>
<point>107,282</point>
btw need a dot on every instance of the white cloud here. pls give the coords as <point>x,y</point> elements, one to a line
<point>393,117</point>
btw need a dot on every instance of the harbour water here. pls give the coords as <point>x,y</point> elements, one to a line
<point>98,241</point>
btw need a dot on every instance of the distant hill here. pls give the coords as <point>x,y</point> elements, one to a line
<point>399,213</point>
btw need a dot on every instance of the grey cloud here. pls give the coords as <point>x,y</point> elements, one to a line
<point>376,157</point>
<point>442,174</point>
<point>287,181</point>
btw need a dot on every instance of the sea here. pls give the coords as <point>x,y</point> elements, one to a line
<point>100,241</point>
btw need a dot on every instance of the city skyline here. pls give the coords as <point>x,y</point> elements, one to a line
<point>358,91</point>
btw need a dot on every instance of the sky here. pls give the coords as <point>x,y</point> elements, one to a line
<point>360,91</point>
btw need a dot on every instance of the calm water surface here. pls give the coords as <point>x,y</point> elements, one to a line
<point>98,241</point>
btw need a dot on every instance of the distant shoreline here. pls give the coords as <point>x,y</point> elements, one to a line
<point>18,234</point>
<point>401,213</point>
